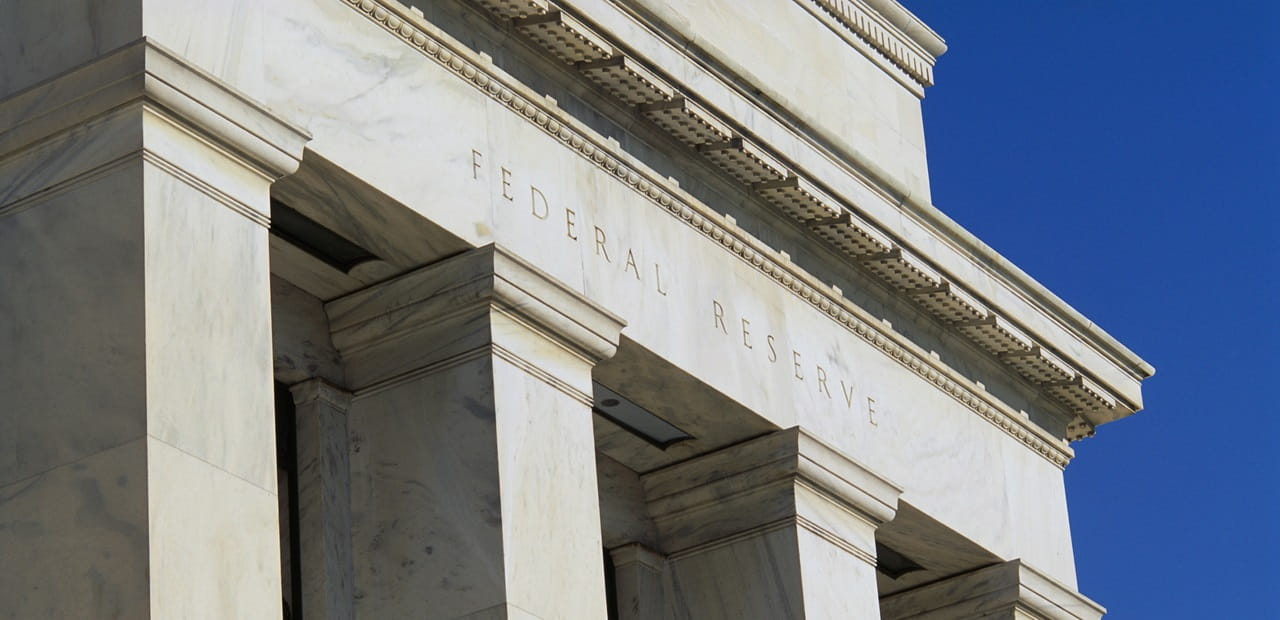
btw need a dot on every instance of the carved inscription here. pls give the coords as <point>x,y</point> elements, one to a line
<point>797,363</point>
<point>741,330</point>
<point>541,207</point>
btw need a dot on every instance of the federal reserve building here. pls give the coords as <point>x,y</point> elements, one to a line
<point>518,310</point>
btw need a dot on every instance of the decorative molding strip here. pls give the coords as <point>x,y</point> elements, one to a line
<point>20,203</point>
<point>470,355</point>
<point>755,532</point>
<point>834,539</point>
<point>198,184</point>
<point>562,126</point>
<point>423,371</point>
<point>767,528</point>
<point>538,373</point>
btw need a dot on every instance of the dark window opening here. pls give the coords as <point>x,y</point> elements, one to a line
<point>287,484</point>
<point>314,239</point>
<point>610,587</point>
<point>893,563</point>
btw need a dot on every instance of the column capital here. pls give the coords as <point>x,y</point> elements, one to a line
<point>1006,590</point>
<point>144,72</point>
<point>317,389</point>
<point>486,299</point>
<point>636,553</point>
<point>786,477</point>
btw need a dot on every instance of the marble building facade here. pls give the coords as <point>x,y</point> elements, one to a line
<point>556,309</point>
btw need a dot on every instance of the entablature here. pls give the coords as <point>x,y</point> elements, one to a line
<point>720,230</point>
<point>1095,391</point>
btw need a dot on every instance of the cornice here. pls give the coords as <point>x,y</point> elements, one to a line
<point>876,34</point>
<point>899,200</point>
<point>913,27</point>
<point>478,71</point>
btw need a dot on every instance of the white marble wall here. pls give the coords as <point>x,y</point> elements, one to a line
<point>473,456</point>
<point>137,461</point>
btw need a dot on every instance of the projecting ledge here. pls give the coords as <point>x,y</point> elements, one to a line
<point>1008,590</point>
<point>784,476</point>
<point>143,71</point>
<point>480,298</point>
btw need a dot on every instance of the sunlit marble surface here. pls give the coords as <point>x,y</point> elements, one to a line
<point>138,461</point>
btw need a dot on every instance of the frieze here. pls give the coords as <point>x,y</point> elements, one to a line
<point>542,113</point>
<point>647,270</point>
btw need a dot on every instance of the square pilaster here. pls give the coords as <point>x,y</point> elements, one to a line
<point>137,454</point>
<point>473,456</point>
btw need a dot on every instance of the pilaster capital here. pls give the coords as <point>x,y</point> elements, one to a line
<point>318,390</point>
<point>1007,590</point>
<point>636,553</point>
<point>786,477</point>
<point>143,72</point>
<point>482,299</point>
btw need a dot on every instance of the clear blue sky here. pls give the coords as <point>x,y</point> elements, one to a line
<point>1124,153</point>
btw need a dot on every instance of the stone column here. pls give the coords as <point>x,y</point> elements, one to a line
<point>1007,591</point>
<point>782,526</point>
<point>137,450</point>
<point>473,456</point>
<point>638,572</point>
<point>324,499</point>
